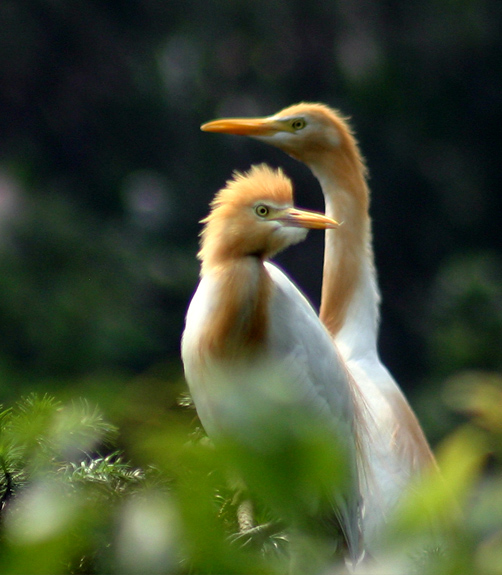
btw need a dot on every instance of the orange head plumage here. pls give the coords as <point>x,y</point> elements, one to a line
<point>253,215</point>
<point>308,132</point>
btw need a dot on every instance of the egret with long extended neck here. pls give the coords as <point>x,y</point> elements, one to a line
<point>322,139</point>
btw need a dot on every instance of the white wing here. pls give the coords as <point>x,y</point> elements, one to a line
<point>298,337</point>
<point>301,340</point>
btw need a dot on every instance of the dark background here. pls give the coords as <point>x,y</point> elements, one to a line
<point>104,174</point>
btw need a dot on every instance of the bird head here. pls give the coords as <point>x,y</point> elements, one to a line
<point>253,215</point>
<point>304,131</point>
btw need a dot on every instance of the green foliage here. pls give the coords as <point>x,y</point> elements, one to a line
<point>71,503</point>
<point>466,311</point>
<point>55,489</point>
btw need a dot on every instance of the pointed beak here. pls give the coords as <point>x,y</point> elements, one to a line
<point>304,219</point>
<point>244,126</point>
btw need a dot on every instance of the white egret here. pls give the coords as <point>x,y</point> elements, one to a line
<point>248,318</point>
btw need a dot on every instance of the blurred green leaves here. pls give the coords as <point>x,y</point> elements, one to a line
<point>61,500</point>
<point>71,503</point>
<point>40,432</point>
<point>466,313</point>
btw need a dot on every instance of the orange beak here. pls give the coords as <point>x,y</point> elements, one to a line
<point>244,126</point>
<point>305,219</point>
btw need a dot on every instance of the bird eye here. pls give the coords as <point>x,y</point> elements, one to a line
<point>298,123</point>
<point>261,211</point>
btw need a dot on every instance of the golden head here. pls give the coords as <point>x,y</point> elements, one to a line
<point>253,215</point>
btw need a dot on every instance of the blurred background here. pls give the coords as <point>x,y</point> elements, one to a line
<point>104,176</point>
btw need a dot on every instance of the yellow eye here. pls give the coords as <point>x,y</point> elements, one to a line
<point>261,211</point>
<point>298,124</point>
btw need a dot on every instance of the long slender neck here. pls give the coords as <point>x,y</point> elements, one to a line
<point>349,300</point>
<point>238,323</point>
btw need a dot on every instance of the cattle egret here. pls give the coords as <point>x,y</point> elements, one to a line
<point>247,317</point>
<point>322,139</point>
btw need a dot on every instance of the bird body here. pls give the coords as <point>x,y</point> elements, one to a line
<point>248,319</point>
<point>397,449</point>
<point>294,339</point>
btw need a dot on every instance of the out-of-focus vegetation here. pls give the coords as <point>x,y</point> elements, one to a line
<point>173,506</point>
<point>104,176</point>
